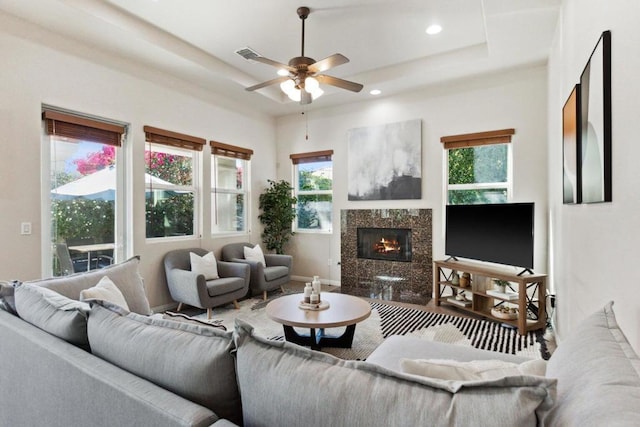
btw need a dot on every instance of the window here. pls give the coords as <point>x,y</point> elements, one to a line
<point>313,187</point>
<point>171,187</point>
<point>479,167</point>
<point>82,187</point>
<point>229,188</point>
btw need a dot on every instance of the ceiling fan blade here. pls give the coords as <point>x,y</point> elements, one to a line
<point>305,97</point>
<point>274,63</point>
<point>327,63</point>
<point>344,84</point>
<point>267,83</point>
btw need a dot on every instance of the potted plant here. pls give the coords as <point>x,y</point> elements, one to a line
<point>278,212</point>
<point>500,285</point>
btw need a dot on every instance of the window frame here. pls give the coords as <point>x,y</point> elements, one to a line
<point>476,140</point>
<point>220,150</point>
<point>311,157</point>
<point>77,127</point>
<point>173,142</point>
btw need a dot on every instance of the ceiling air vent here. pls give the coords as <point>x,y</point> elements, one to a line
<point>247,53</point>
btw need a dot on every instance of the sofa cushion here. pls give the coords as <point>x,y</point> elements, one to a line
<point>105,290</point>
<point>192,361</point>
<point>54,313</point>
<point>285,384</point>
<point>447,369</point>
<point>224,285</point>
<point>598,375</point>
<point>124,275</point>
<point>205,265</point>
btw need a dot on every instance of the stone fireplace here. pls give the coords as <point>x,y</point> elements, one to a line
<point>386,254</point>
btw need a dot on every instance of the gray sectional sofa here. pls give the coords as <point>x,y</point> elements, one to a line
<point>140,370</point>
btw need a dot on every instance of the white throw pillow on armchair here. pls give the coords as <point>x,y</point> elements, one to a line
<point>254,254</point>
<point>205,265</point>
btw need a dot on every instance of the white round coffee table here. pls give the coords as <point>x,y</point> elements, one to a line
<point>344,310</point>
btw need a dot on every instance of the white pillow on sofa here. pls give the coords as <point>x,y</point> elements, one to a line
<point>255,254</point>
<point>205,265</point>
<point>124,275</point>
<point>105,290</point>
<point>471,371</point>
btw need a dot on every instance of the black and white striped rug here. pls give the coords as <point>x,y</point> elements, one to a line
<point>482,334</point>
<point>387,319</point>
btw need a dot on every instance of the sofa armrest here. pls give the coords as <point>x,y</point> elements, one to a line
<point>233,269</point>
<point>47,381</point>
<point>256,268</point>
<point>186,286</point>
<point>278,259</point>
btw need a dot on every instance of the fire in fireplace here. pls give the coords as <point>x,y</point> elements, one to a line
<point>390,244</point>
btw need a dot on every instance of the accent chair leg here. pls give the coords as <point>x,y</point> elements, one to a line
<point>179,307</point>
<point>209,313</point>
<point>264,295</point>
<point>236,305</point>
<point>282,288</point>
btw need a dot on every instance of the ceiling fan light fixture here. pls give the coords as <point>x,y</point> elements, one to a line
<point>290,89</point>
<point>433,29</point>
<point>300,73</point>
<point>295,95</point>
<point>316,93</point>
<point>311,84</point>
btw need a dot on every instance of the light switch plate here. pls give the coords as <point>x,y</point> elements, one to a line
<point>25,228</point>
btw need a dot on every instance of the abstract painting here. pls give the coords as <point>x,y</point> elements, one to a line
<point>571,148</point>
<point>595,129</point>
<point>385,162</point>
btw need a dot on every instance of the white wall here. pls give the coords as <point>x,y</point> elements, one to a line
<point>595,247</point>
<point>33,74</point>
<point>515,99</point>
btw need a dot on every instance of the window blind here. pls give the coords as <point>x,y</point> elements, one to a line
<point>502,136</point>
<point>315,156</point>
<point>173,139</point>
<point>82,128</point>
<point>221,149</point>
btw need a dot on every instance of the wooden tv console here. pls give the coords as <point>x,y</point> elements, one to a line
<point>530,289</point>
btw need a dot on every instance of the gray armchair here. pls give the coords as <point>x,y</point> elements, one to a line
<point>190,288</point>
<point>275,274</point>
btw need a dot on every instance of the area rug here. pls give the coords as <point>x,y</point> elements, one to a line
<point>387,320</point>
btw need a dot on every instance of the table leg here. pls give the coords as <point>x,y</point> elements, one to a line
<point>317,340</point>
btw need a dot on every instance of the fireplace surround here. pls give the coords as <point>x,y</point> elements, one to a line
<point>387,273</point>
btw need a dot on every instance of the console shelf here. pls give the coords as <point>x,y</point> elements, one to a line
<point>531,290</point>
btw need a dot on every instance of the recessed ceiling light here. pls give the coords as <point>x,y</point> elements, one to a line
<point>375,91</point>
<point>433,29</point>
<point>283,72</point>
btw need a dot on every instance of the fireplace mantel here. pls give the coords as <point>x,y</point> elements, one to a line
<point>387,279</point>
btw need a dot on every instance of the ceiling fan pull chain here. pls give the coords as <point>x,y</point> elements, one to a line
<point>306,123</point>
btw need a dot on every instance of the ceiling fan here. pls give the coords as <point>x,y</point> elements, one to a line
<point>303,78</point>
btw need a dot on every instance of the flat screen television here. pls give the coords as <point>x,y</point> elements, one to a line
<point>498,233</point>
